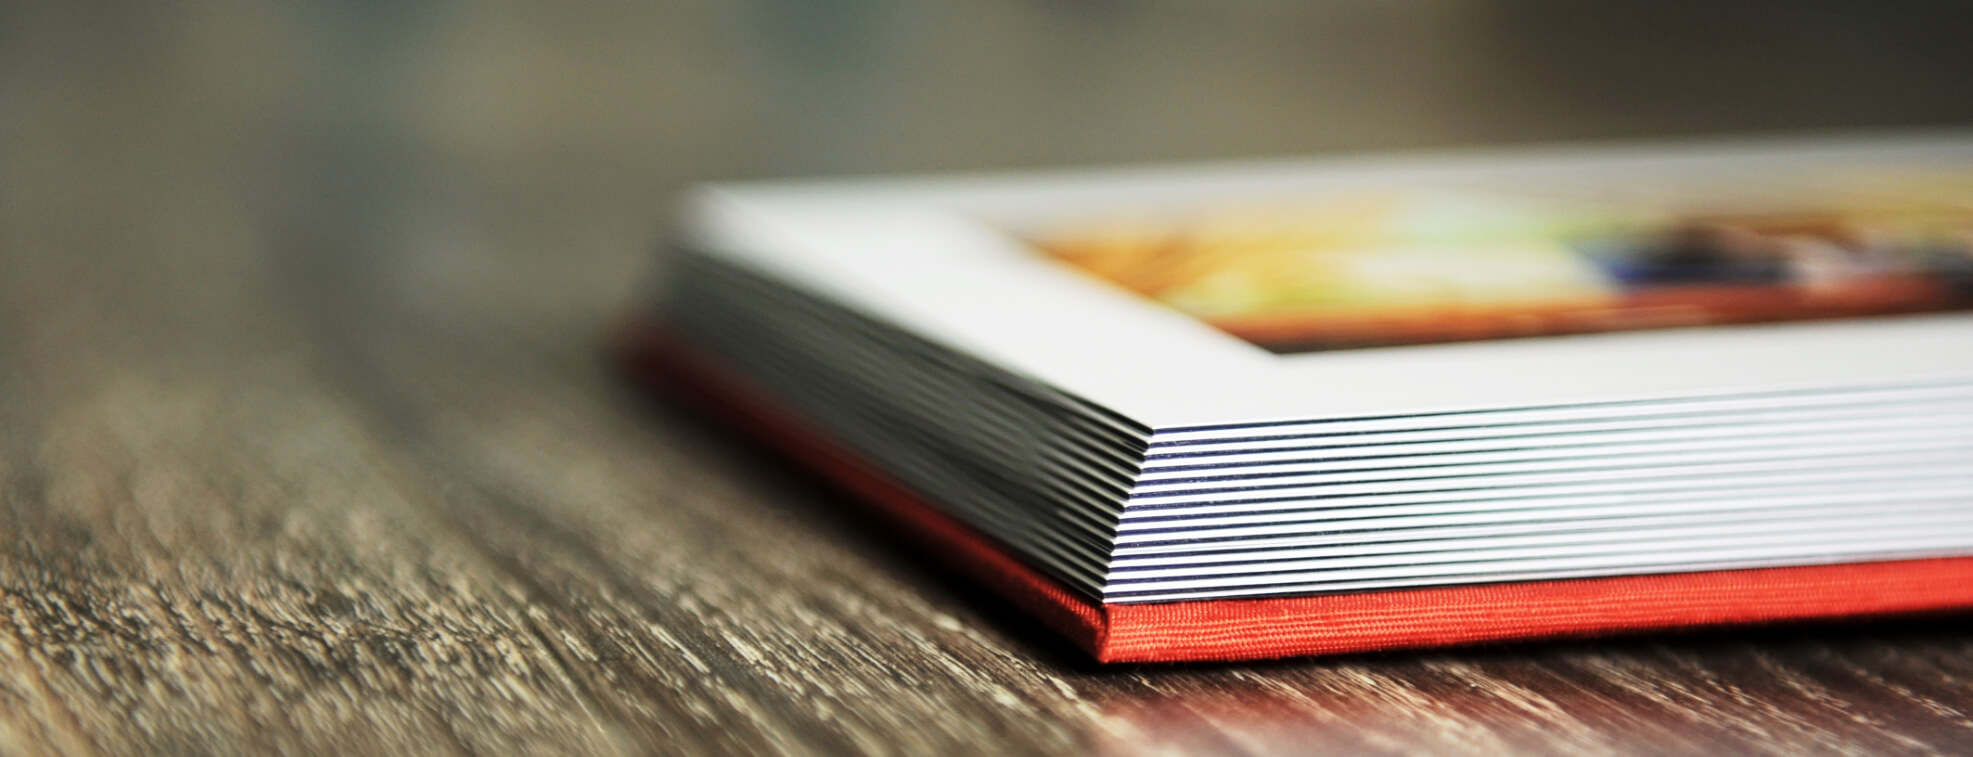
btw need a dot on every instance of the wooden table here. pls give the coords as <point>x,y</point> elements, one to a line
<point>306,445</point>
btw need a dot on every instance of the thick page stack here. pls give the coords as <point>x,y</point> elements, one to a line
<point>1276,409</point>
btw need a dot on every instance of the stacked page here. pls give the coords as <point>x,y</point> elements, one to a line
<point>1305,378</point>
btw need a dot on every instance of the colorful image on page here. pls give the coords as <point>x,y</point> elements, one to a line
<point>1423,266</point>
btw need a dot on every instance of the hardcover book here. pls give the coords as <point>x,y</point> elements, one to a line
<point>1303,407</point>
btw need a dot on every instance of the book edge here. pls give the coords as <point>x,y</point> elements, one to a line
<point>1247,629</point>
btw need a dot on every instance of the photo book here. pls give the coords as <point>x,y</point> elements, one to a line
<point>1284,408</point>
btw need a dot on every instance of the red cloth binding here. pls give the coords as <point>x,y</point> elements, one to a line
<point>1245,629</point>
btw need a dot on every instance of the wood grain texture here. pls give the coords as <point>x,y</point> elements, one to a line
<point>306,447</point>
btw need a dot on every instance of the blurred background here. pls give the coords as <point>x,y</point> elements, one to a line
<point>302,307</point>
<point>504,168</point>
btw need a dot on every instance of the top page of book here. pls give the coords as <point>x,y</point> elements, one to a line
<point>1272,292</point>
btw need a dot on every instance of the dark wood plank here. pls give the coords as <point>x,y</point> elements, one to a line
<point>306,446</point>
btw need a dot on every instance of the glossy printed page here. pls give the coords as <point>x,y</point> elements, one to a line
<point>1228,294</point>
